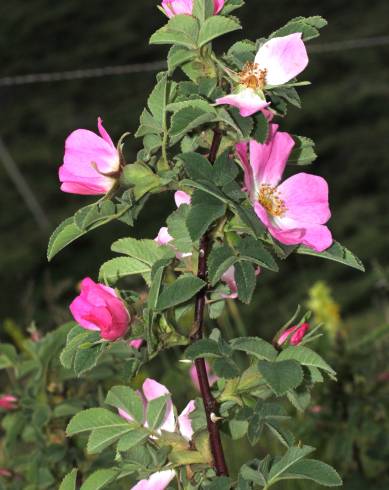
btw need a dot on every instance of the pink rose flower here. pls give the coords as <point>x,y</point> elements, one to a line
<point>294,211</point>
<point>8,402</point>
<point>177,7</point>
<point>99,308</point>
<point>91,163</point>
<point>212,378</point>
<point>294,334</point>
<point>5,472</point>
<point>276,63</point>
<point>151,390</point>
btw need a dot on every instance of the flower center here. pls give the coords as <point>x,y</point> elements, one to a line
<point>252,76</point>
<point>270,199</point>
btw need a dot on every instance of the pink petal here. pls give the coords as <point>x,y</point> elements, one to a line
<point>306,198</point>
<point>104,133</point>
<point>268,160</point>
<point>289,232</point>
<point>283,58</point>
<point>125,415</point>
<point>181,197</point>
<point>177,7</point>
<point>99,308</point>
<point>212,378</point>
<point>163,237</point>
<point>184,421</point>
<point>229,278</point>
<point>247,101</point>
<point>299,334</point>
<point>157,481</point>
<point>136,343</point>
<point>87,189</point>
<point>85,150</point>
<point>219,4</point>
<point>241,149</point>
<point>285,335</point>
<point>151,390</point>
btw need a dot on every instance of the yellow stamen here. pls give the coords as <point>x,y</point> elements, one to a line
<point>252,76</point>
<point>270,199</point>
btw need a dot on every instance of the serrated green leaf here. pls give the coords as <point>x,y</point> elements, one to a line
<point>180,291</point>
<point>90,215</point>
<point>245,279</point>
<point>126,399</point>
<point>66,233</point>
<point>204,210</point>
<point>156,411</point>
<point>303,152</point>
<point>148,125</point>
<point>255,346</point>
<point>254,251</point>
<point>147,251</point>
<point>219,260</point>
<point>178,229</point>
<point>94,418</point>
<point>182,30</point>
<point>86,359</point>
<point>225,170</point>
<point>132,439</point>
<point>311,469</point>
<point>202,9</point>
<point>281,376</point>
<point>308,26</point>
<point>215,27</point>
<point>197,166</point>
<point>187,119</point>
<point>337,253</point>
<point>306,357</point>
<point>99,479</point>
<point>177,56</point>
<point>69,482</point>
<point>120,267</point>
<point>203,348</point>
<point>157,100</point>
<point>104,437</point>
<point>292,456</point>
<point>261,128</point>
<point>226,367</point>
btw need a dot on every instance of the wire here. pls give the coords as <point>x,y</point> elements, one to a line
<point>350,44</point>
<point>24,189</point>
<point>160,65</point>
<point>79,74</point>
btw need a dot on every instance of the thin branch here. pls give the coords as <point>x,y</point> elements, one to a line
<point>210,404</point>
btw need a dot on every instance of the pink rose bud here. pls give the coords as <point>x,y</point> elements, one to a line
<point>316,409</point>
<point>294,334</point>
<point>91,163</point>
<point>136,343</point>
<point>8,402</point>
<point>99,308</point>
<point>177,7</point>
<point>5,472</point>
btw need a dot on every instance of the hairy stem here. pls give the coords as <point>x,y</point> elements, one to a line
<point>210,404</point>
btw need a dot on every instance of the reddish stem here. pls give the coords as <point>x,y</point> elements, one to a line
<point>210,404</point>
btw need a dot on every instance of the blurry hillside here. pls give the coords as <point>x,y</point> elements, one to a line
<point>344,111</point>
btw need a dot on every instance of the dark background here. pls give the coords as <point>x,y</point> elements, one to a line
<point>344,111</point>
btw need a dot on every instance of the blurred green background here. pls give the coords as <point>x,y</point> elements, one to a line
<point>344,111</point>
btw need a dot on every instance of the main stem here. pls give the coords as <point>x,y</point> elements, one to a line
<point>210,404</point>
